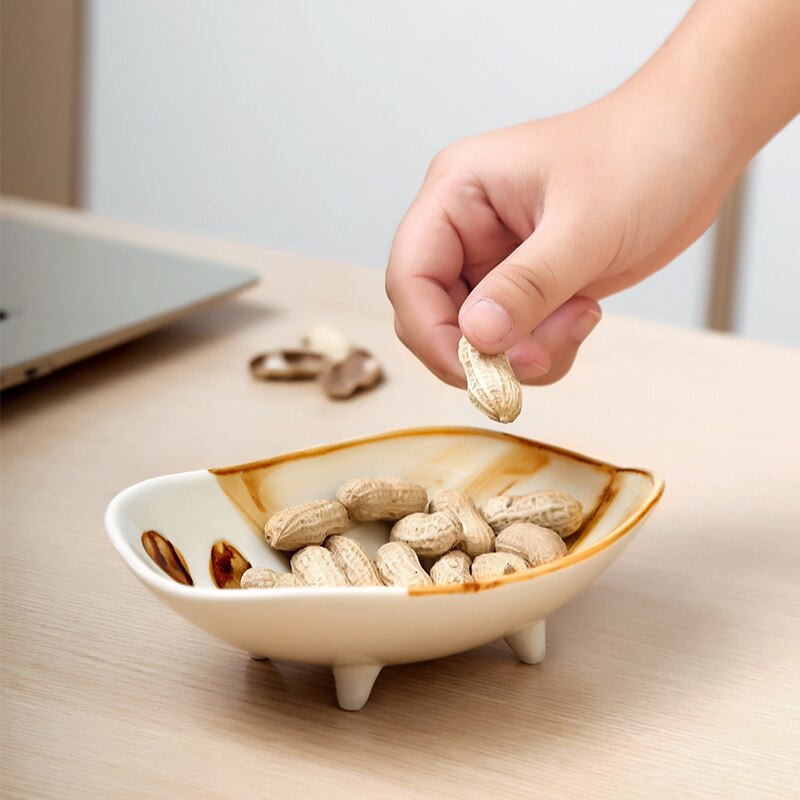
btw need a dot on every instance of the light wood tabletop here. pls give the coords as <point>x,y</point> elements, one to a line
<point>674,675</point>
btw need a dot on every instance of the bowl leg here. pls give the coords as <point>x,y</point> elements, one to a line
<point>257,657</point>
<point>528,644</point>
<point>354,684</point>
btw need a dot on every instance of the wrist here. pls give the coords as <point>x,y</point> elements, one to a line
<point>727,80</point>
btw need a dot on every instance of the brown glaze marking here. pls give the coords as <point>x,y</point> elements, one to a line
<point>409,433</point>
<point>428,472</point>
<point>243,489</point>
<point>505,471</point>
<point>595,516</point>
<point>253,485</point>
<point>656,493</point>
<point>244,484</point>
<point>473,587</point>
<point>167,557</point>
<point>227,565</point>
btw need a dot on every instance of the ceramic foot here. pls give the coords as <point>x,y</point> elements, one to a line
<point>529,644</point>
<point>354,684</point>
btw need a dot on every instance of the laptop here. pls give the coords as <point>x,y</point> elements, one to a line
<point>65,296</point>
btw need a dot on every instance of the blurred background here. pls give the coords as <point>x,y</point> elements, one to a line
<point>308,126</point>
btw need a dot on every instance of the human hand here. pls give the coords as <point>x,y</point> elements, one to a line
<point>517,233</point>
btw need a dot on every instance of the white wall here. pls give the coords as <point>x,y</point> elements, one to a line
<point>308,126</point>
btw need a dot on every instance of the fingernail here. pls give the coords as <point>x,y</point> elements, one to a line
<point>488,321</point>
<point>585,324</point>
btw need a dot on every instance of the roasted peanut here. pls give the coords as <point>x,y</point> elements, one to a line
<point>353,560</point>
<point>264,578</point>
<point>314,566</point>
<point>368,499</point>
<point>427,534</point>
<point>558,511</point>
<point>302,525</point>
<point>399,566</point>
<point>452,567</point>
<point>489,566</point>
<point>286,580</point>
<point>478,537</point>
<point>258,578</point>
<point>537,545</point>
<point>492,385</point>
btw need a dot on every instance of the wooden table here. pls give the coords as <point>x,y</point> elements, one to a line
<point>675,675</point>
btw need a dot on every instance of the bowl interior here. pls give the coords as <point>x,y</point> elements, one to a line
<point>192,528</point>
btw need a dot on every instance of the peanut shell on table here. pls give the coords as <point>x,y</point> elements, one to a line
<point>287,365</point>
<point>328,342</point>
<point>359,371</point>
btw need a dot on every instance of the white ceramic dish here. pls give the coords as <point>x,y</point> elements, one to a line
<point>357,631</point>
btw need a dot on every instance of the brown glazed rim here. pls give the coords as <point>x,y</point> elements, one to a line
<point>617,533</point>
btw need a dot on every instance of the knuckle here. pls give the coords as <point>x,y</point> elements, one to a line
<point>452,158</point>
<point>442,162</point>
<point>537,283</point>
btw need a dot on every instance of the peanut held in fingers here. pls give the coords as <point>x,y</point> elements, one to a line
<point>492,385</point>
<point>302,525</point>
<point>370,499</point>
<point>478,536</point>
<point>427,534</point>
<point>399,566</point>
<point>558,511</point>
<point>354,561</point>
<point>535,544</point>
<point>452,567</point>
<point>491,566</point>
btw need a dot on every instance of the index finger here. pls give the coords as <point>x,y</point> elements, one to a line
<point>424,266</point>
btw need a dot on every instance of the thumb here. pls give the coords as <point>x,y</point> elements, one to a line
<point>516,296</point>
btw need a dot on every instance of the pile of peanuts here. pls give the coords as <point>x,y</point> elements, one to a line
<point>458,542</point>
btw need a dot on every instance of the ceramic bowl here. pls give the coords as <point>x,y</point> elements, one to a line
<point>183,536</point>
